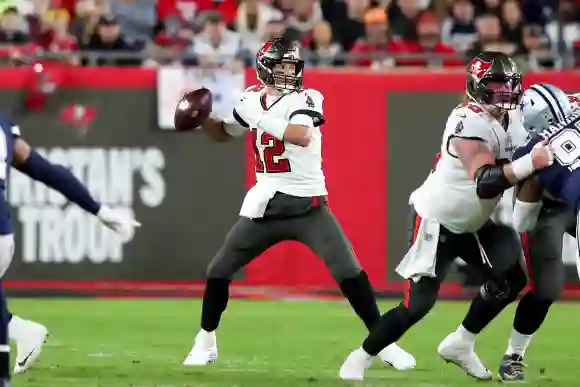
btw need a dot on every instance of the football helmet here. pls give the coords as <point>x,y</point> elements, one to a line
<point>543,104</point>
<point>278,64</point>
<point>493,79</point>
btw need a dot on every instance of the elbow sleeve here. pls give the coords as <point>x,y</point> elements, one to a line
<point>490,181</point>
<point>526,215</point>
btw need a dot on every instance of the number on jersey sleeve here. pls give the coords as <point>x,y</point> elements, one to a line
<point>309,106</point>
<point>273,149</point>
<point>566,145</point>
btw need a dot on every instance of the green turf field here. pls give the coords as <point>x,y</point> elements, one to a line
<point>141,343</point>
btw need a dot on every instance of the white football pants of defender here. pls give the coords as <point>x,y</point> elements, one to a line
<point>6,252</point>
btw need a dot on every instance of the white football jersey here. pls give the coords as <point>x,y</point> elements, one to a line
<point>292,169</point>
<point>449,193</point>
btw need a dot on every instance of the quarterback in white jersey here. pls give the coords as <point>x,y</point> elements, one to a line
<point>454,206</point>
<point>288,201</point>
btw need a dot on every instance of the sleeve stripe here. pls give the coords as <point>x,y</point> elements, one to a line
<point>317,117</point>
<point>240,120</point>
<point>447,146</point>
<point>16,130</point>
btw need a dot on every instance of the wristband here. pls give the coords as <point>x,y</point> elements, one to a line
<point>273,125</point>
<point>523,167</point>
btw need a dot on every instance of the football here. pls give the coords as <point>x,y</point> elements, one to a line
<point>193,109</point>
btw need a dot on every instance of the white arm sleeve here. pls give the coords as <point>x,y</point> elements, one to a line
<point>464,123</point>
<point>231,125</point>
<point>233,128</point>
<point>525,215</point>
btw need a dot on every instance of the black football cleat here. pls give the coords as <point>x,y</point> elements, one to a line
<point>511,369</point>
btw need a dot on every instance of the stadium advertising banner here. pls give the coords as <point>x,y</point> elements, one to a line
<point>379,143</point>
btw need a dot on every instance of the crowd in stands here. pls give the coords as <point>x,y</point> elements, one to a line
<point>366,33</point>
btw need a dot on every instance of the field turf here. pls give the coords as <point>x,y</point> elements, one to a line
<point>142,343</point>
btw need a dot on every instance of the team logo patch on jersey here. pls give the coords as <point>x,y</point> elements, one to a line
<point>478,68</point>
<point>309,102</point>
<point>459,127</point>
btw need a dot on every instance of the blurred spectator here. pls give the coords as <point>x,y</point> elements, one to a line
<point>286,6</point>
<point>458,30</point>
<point>404,23</point>
<point>137,18</point>
<point>55,35</point>
<point>108,39</point>
<point>305,14</point>
<point>428,48</point>
<point>188,10</point>
<point>348,25</point>
<point>252,18</point>
<point>484,7</point>
<point>535,53</point>
<point>489,37</point>
<point>568,13</point>
<point>372,50</point>
<point>323,49</point>
<point>12,27</point>
<point>216,46</point>
<point>57,5</point>
<point>512,24</point>
<point>87,17</point>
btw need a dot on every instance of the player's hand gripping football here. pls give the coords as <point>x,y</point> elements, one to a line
<point>542,155</point>
<point>118,222</point>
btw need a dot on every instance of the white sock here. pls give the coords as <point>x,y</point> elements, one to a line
<point>16,328</point>
<point>518,343</point>
<point>365,353</point>
<point>465,334</point>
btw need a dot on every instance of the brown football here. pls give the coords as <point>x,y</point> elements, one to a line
<point>193,109</point>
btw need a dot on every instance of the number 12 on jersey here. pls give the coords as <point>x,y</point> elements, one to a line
<point>268,156</point>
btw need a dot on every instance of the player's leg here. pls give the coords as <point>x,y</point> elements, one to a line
<point>245,241</point>
<point>543,255</point>
<point>29,337</point>
<point>6,252</point>
<point>321,232</point>
<point>497,254</point>
<point>419,300</point>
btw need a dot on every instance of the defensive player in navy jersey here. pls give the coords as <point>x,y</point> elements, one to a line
<point>16,152</point>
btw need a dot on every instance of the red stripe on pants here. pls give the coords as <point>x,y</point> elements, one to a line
<point>528,258</point>
<point>416,227</point>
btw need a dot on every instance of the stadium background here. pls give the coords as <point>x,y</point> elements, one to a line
<point>92,84</point>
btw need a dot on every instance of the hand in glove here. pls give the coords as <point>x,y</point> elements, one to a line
<point>118,222</point>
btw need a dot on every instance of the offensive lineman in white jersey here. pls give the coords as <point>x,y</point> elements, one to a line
<point>288,201</point>
<point>455,204</point>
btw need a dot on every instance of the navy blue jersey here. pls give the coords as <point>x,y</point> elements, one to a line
<point>10,132</point>
<point>562,179</point>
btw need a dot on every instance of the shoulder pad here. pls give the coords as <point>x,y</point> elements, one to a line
<point>311,98</point>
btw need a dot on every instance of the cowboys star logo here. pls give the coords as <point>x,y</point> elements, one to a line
<point>478,68</point>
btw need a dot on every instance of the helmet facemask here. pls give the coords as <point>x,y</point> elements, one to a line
<point>501,92</point>
<point>278,65</point>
